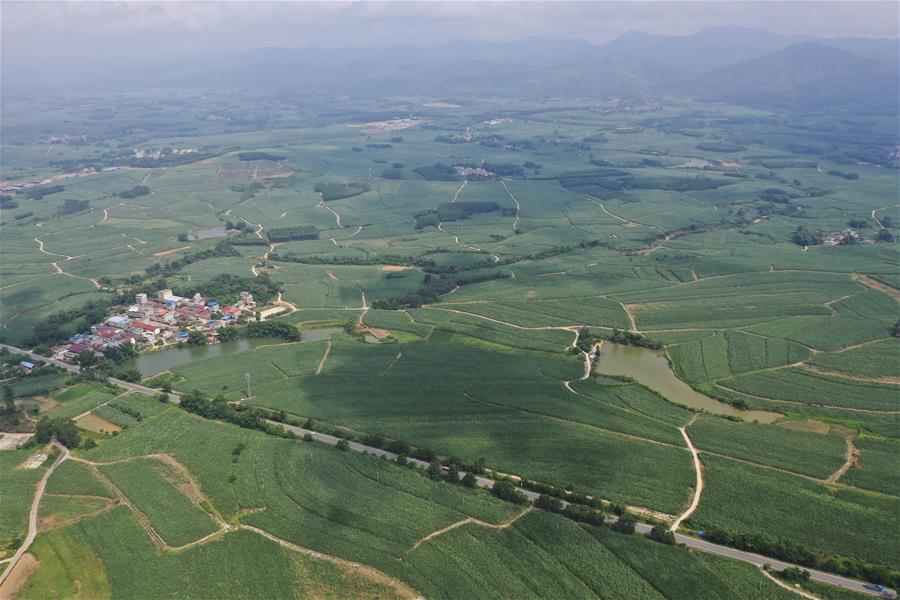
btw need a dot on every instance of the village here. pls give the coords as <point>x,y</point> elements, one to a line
<point>156,323</point>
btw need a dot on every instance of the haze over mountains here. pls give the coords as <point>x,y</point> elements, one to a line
<point>733,64</point>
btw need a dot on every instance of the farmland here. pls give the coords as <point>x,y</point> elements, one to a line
<point>450,312</point>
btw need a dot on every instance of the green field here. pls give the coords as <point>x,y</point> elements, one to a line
<point>155,488</point>
<point>668,217</point>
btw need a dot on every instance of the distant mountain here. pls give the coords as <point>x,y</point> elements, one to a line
<point>718,47</point>
<point>803,76</point>
<point>734,64</point>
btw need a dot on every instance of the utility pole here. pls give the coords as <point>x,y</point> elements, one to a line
<point>247,379</point>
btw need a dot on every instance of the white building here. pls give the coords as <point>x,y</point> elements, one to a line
<point>140,298</point>
<point>163,295</point>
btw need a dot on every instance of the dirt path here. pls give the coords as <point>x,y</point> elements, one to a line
<point>473,521</point>
<point>876,210</point>
<point>324,357</point>
<point>365,308</point>
<point>629,310</point>
<point>194,493</point>
<point>881,287</point>
<point>322,204</point>
<point>456,195</point>
<point>518,206</point>
<point>624,221</point>
<point>698,470</point>
<point>371,572</point>
<point>172,251</point>
<point>851,459</point>
<point>783,584</point>
<point>885,379</point>
<point>33,514</point>
<point>292,308</point>
<point>393,362</point>
<point>588,363</point>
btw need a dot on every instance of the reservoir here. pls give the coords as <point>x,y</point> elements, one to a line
<point>651,368</point>
<point>157,362</point>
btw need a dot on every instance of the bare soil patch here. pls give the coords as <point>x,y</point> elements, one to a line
<point>11,441</point>
<point>20,573</point>
<point>379,334</point>
<point>34,461</point>
<point>97,424</point>
<point>392,268</point>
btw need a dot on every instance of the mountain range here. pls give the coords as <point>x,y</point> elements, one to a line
<point>730,64</point>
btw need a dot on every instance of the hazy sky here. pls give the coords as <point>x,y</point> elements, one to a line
<point>164,27</point>
<point>61,37</point>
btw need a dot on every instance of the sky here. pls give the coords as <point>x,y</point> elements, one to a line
<point>66,36</point>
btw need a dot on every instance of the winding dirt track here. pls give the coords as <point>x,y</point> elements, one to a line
<point>33,515</point>
<point>473,521</point>
<point>698,470</point>
<point>850,460</point>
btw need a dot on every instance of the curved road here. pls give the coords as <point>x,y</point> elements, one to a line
<point>689,541</point>
<point>643,528</point>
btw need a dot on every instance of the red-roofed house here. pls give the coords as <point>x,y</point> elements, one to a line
<point>145,327</point>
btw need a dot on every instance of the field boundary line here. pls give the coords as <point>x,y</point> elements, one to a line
<point>718,382</point>
<point>324,357</point>
<point>400,586</point>
<point>473,521</point>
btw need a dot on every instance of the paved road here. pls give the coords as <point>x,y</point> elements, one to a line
<point>133,387</point>
<point>484,482</point>
<point>33,515</point>
<point>643,528</point>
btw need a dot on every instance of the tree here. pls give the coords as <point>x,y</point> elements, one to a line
<point>64,430</point>
<point>507,491</point>
<point>625,524</point>
<point>549,503</point>
<point>661,534</point>
<point>196,338</point>
<point>43,432</point>
<point>434,470</point>
<point>86,358</point>
<point>453,474</point>
<point>884,235</point>
<point>9,395</point>
<point>469,480</point>
<point>794,575</point>
<point>804,237</point>
<point>342,445</point>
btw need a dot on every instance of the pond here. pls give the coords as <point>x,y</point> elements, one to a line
<point>157,362</point>
<point>651,368</point>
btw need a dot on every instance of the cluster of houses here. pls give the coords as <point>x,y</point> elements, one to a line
<point>163,320</point>
<point>844,236</point>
